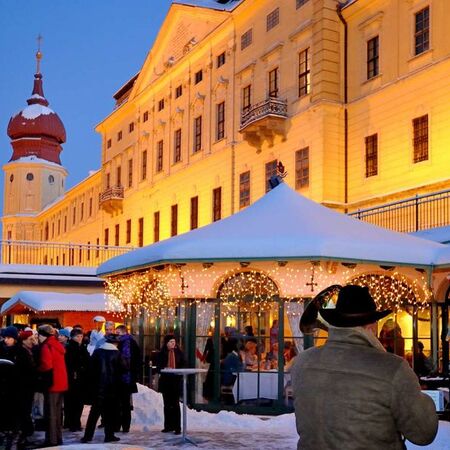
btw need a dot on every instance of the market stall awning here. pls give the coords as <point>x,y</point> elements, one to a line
<point>54,301</point>
<point>283,225</point>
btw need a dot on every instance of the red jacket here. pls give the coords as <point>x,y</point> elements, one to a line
<point>52,357</point>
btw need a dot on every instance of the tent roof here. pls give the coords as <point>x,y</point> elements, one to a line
<point>283,225</point>
<point>55,301</point>
<point>439,234</point>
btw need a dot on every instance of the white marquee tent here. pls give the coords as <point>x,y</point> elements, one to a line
<point>284,225</point>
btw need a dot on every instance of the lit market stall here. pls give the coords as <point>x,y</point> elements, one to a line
<point>249,277</point>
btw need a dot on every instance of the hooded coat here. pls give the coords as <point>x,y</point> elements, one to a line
<point>351,394</point>
<point>52,358</point>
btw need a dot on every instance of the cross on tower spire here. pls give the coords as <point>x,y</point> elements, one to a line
<point>38,54</point>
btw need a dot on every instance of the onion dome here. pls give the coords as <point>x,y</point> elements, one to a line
<point>37,130</point>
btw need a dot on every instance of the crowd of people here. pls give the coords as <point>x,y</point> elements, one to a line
<point>243,351</point>
<point>51,374</point>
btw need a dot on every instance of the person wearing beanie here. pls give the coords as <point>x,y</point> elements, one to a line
<point>18,396</point>
<point>77,363</point>
<point>63,336</point>
<point>131,354</point>
<point>107,368</point>
<point>53,365</point>
<point>170,357</point>
<point>96,334</point>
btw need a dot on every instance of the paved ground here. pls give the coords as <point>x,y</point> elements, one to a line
<point>154,439</point>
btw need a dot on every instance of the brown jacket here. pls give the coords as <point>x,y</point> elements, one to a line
<point>352,395</point>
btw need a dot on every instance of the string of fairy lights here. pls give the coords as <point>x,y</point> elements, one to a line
<point>158,291</point>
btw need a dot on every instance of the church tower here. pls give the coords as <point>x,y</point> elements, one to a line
<point>34,177</point>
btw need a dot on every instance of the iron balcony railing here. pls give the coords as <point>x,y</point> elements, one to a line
<point>411,214</point>
<point>112,193</point>
<point>270,107</point>
<point>57,253</point>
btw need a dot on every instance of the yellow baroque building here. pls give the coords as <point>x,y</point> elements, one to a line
<point>350,97</point>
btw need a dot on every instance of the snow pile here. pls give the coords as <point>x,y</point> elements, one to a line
<point>442,441</point>
<point>36,110</point>
<point>148,412</point>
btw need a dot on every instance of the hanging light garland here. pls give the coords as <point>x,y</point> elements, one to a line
<point>159,290</point>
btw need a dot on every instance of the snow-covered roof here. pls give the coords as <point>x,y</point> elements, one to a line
<point>283,225</point>
<point>38,273</point>
<point>36,110</point>
<point>211,4</point>
<point>55,301</point>
<point>438,234</point>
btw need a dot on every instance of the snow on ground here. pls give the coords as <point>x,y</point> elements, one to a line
<point>223,431</point>
<point>148,411</point>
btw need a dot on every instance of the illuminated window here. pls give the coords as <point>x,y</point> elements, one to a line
<point>273,83</point>
<point>177,146</point>
<point>144,165</point>
<point>221,59</point>
<point>220,134</point>
<point>198,76</point>
<point>244,189</point>
<point>197,134</point>
<point>304,73</point>
<point>130,172</point>
<point>156,226</point>
<point>119,176</point>
<point>371,155</point>
<point>273,19</point>
<point>420,140</point>
<point>271,171</point>
<point>117,235</point>
<point>174,220</point>
<point>302,168</point>
<point>194,212</point>
<point>217,204</point>
<point>422,31</point>
<point>246,39</point>
<point>159,156</point>
<point>128,235</point>
<point>141,232</point>
<point>372,57</point>
<point>246,99</point>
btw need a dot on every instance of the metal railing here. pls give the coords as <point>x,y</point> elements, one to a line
<point>268,107</point>
<point>411,214</point>
<point>112,193</point>
<point>57,253</point>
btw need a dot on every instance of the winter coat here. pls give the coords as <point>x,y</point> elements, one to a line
<point>350,394</point>
<point>168,381</point>
<point>105,374</point>
<point>77,363</point>
<point>229,366</point>
<point>131,355</point>
<point>52,358</point>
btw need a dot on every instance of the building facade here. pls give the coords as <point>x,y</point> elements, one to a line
<point>230,90</point>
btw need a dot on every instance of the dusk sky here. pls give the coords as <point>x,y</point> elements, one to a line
<point>90,49</point>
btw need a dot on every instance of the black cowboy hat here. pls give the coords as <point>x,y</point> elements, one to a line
<point>354,307</point>
<point>309,320</point>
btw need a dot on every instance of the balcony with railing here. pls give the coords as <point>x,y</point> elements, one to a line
<point>264,121</point>
<point>57,253</point>
<point>111,199</point>
<point>417,213</point>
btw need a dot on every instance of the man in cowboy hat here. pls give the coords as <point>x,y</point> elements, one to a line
<point>352,394</point>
